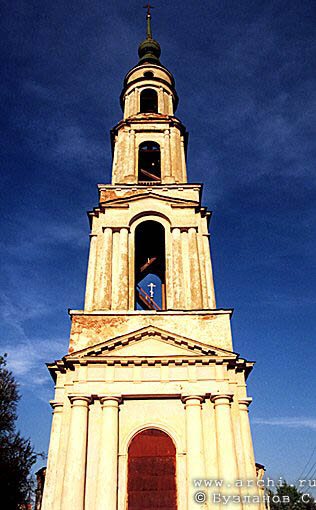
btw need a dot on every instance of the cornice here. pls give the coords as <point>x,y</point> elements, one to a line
<point>149,119</point>
<point>205,311</point>
<point>70,363</point>
<point>148,65</point>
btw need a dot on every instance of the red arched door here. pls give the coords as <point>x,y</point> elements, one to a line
<point>152,472</point>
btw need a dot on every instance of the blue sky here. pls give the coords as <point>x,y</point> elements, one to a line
<point>246,83</point>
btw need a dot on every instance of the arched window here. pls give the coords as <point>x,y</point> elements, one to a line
<point>150,266</point>
<point>152,472</point>
<point>149,162</point>
<point>149,101</point>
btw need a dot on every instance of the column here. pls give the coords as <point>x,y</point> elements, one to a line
<point>132,104</point>
<point>106,498</point>
<point>247,439</point>
<point>75,470</point>
<point>195,449</point>
<point>114,165</point>
<point>169,294</point>
<point>209,271</point>
<point>105,285</point>
<point>183,162</point>
<point>166,176</point>
<point>48,502</point>
<point>227,459</point>
<point>132,175</point>
<point>175,154</point>
<point>170,104</point>
<point>166,103</point>
<point>137,101</point>
<point>123,270</point>
<point>177,268</point>
<point>195,276</point>
<point>123,158</point>
<point>127,106</point>
<point>115,268</point>
<point>161,106</point>
<point>204,287</point>
<point>185,262</point>
<point>120,270</point>
<point>89,298</point>
<point>249,458</point>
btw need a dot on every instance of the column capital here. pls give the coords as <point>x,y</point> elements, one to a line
<point>192,400</point>
<point>80,400</point>
<point>110,400</point>
<point>56,406</point>
<point>192,228</point>
<point>244,403</point>
<point>119,229</point>
<point>222,399</point>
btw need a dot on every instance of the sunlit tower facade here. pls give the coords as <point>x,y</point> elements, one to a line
<point>151,395</point>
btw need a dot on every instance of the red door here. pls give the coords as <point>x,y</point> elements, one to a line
<point>152,472</point>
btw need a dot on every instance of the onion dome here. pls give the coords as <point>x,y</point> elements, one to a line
<point>149,50</point>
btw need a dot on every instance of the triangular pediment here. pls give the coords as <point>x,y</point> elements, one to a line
<point>176,201</point>
<point>151,342</point>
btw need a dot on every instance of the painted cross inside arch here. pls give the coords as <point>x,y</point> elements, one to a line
<point>151,289</point>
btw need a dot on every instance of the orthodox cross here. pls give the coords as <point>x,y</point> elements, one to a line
<point>151,287</point>
<point>148,7</point>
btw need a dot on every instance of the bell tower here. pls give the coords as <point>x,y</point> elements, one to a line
<point>149,220</point>
<point>151,395</point>
<point>149,144</point>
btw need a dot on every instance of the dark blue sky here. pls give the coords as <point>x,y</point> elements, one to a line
<point>246,81</point>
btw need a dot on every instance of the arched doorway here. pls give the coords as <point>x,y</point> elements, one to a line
<point>150,266</point>
<point>152,472</point>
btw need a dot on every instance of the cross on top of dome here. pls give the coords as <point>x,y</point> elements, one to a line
<point>148,7</point>
<point>149,50</point>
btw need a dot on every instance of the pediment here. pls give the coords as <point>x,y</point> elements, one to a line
<point>151,342</point>
<point>175,201</point>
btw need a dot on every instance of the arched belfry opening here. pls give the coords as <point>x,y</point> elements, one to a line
<point>149,162</point>
<point>152,472</point>
<point>149,101</point>
<point>150,266</point>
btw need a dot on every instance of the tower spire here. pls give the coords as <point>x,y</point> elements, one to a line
<point>149,50</point>
<point>148,18</point>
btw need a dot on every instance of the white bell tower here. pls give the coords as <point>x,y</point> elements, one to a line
<point>151,394</point>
